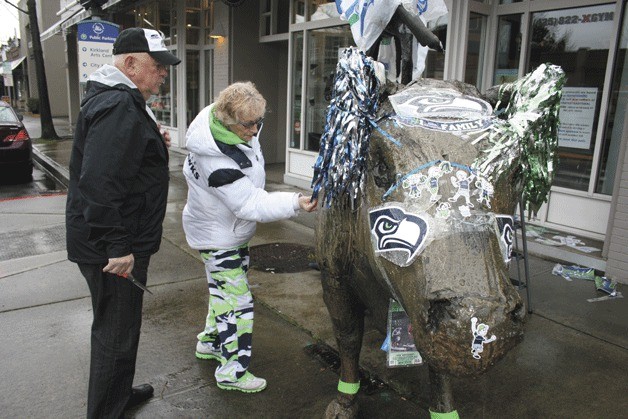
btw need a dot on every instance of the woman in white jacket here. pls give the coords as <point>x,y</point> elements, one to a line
<point>226,198</point>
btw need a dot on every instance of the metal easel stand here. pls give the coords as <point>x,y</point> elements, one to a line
<point>522,254</point>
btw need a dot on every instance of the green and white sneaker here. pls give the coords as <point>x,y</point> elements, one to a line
<point>206,350</point>
<point>247,384</point>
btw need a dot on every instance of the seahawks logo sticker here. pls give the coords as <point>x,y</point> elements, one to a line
<point>506,235</point>
<point>397,236</point>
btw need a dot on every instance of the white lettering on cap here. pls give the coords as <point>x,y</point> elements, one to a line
<point>155,40</point>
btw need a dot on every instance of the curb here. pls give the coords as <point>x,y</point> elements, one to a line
<point>55,170</point>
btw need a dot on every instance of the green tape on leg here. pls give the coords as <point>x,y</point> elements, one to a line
<point>451,415</point>
<point>348,388</point>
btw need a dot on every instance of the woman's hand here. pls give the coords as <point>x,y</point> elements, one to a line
<point>306,204</point>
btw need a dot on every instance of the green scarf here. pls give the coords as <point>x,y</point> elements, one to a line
<point>222,133</point>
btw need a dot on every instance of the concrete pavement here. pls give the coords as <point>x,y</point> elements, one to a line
<point>572,362</point>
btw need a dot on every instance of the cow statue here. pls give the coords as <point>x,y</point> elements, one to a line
<point>418,187</point>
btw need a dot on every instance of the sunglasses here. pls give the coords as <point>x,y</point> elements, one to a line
<point>251,124</point>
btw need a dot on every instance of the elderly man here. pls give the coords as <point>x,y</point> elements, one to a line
<point>115,208</point>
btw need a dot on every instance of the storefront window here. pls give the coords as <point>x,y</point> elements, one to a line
<point>615,121</point>
<point>209,79</point>
<point>192,73</point>
<point>165,12</point>
<point>508,49</point>
<point>297,83</point>
<point>162,103</point>
<point>192,22</point>
<point>475,49</point>
<point>162,15</point>
<point>435,61</point>
<point>565,37</point>
<point>308,10</point>
<point>324,48</point>
<point>298,11</point>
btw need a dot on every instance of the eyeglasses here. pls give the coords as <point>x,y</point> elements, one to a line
<point>251,124</point>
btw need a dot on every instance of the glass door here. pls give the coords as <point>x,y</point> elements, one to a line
<point>564,37</point>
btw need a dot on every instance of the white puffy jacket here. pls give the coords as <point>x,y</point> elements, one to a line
<point>226,196</point>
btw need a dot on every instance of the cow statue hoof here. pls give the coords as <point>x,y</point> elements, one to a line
<point>342,407</point>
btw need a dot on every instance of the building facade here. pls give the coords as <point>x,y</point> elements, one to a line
<point>289,49</point>
<point>54,50</point>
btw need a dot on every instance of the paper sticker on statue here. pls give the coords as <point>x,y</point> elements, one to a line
<point>398,236</point>
<point>479,337</point>
<point>442,110</point>
<point>401,350</point>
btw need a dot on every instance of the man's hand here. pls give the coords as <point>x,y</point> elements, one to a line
<point>120,266</point>
<point>165,135</point>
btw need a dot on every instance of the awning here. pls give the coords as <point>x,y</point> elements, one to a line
<point>14,64</point>
<point>53,30</point>
<point>73,15</point>
<point>17,62</point>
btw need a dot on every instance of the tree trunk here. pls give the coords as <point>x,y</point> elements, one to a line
<point>47,127</point>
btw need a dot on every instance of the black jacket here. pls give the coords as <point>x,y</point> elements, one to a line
<point>118,177</point>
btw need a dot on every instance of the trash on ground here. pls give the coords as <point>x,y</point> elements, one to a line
<point>606,297</point>
<point>573,271</point>
<point>575,243</point>
<point>607,285</point>
<point>540,234</point>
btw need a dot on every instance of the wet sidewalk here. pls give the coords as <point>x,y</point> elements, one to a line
<point>571,363</point>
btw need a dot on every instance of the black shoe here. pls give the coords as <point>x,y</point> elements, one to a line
<point>139,394</point>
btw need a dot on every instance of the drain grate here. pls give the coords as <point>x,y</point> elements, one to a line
<point>282,257</point>
<point>20,243</point>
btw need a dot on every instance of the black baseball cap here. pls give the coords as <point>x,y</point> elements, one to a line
<point>144,40</point>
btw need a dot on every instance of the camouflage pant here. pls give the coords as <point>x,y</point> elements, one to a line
<point>229,321</point>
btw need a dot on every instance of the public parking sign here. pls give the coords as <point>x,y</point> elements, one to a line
<point>95,46</point>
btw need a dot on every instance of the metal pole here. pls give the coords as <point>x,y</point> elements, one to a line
<point>524,241</point>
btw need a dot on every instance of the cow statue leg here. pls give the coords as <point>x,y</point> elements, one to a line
<point>441,396</point>
<point>348,322</point>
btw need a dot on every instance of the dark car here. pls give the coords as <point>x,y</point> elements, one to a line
<point>16,161</point>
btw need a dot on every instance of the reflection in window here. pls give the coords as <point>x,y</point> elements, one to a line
<point>192,84</point>
<point>307,10</point>
<point>162,15</point>
<point>192,22</point>
<point>297,83</point>
<point>475,49</point>
<point>324,48</point>
<point>435,61</point>
<point>563,37</point>
<point>508,49</point>
<point>615,121</point>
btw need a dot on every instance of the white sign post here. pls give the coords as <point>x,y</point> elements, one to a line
<point>7,74</point>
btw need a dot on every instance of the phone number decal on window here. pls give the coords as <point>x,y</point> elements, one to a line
<point>570,20</point>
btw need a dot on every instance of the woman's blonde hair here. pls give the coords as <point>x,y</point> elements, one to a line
<point>237,100</point>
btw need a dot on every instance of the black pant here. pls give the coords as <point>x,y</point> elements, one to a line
<point>117,306</point>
